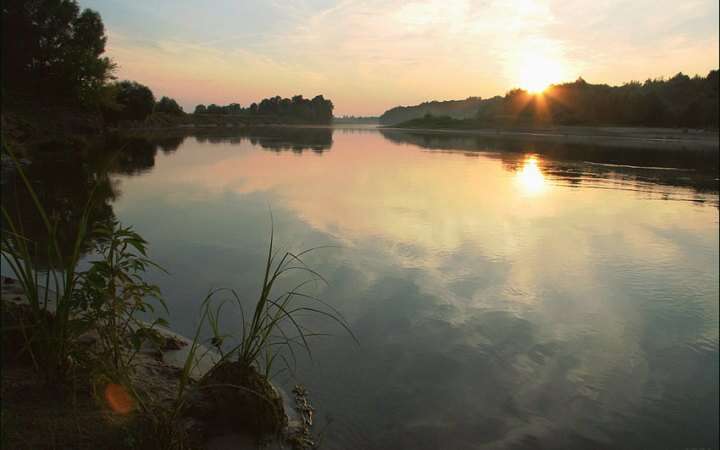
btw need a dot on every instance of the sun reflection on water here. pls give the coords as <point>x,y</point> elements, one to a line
<point>530,177</point>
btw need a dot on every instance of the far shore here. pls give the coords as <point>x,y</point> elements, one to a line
<point>656,138</point>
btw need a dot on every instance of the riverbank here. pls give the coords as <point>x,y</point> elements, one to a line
<point>94,412</point>
<point>637,137</point>
<point>28,126</point>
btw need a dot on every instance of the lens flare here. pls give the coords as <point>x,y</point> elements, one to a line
<point>119,399</point>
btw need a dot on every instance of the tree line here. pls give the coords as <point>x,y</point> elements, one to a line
<point>457,109</point>
<point>300,109</point>
<point>680,101</point>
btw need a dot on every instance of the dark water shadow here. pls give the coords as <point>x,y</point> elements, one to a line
<point>277,139</point>
<point>579,163</point>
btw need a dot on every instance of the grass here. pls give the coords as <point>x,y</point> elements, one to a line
<point>269,334</point>
<point>65,303</point>
<point>274,323</point>
<point>53,326</point>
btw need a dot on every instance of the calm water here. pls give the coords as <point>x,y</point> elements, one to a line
<point>505,294</point>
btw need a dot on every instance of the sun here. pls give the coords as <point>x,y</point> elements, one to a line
<point>536,72</point>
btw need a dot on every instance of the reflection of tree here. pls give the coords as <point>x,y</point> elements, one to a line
<point>278,139</point>
<point>572,162</point>
<point>64,181</point>
<point>169,144</point>
<point>64,185</point>
<point>135,156</point>
<point>296,139</point>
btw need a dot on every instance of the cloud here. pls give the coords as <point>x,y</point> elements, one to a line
<point>370,55</point>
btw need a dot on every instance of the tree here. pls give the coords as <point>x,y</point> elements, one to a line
<point>49,45</point>
<point>169,106</point>
<point>296,109</point>
<point>134,102</point>
<point>214,109</point>
<point>322,108</point>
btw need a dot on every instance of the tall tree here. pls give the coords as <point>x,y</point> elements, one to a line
<point>50,45</point>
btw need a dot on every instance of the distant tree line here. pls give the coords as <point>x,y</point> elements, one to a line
<point>457,109</point>
<point>295,109</point>
<point>680,101</point>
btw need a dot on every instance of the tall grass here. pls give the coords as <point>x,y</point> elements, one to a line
<point>66,302</point>
<point>54,324</point>
<point>275,324</point>
<point>270,333</point>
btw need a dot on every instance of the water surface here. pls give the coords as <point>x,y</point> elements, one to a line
<point>506,294</point>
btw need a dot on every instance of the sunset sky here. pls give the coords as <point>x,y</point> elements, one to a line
<point>370,55</point>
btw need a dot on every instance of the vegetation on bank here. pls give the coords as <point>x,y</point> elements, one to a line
<point>680,101</point>
<point>457,109</point>
<point>79,330</point>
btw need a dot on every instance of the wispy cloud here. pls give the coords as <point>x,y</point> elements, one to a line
<point>369,55</point>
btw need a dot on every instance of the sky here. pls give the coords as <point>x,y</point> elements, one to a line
<point>370,55</point>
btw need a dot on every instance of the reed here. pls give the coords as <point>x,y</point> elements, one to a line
<point>54,321</point>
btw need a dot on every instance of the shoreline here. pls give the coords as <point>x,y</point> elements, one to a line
<point>655,138</point>
<point>156,370</point>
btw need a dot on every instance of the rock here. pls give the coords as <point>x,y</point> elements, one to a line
<point>172,343</point>
<point>89,338</point>
<point>234,396</point>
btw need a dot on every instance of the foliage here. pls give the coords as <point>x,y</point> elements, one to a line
<point>169,106</point>
<point>135,102</point>
<point>457,109</point>
<point>66,302</point>
<point>299,109</point>
<point>113,292</point>
<point>54,324</point>
<point>680,101</point>
<point>270,335</point>
<point>51,46</point>
<point>316,110</point>
<point>274,322</point>
<point>65,187</point>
